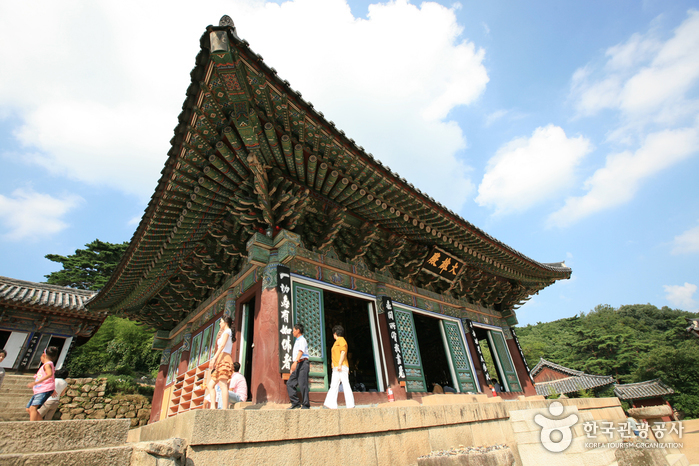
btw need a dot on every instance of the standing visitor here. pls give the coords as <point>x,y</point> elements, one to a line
<point>340,368</point>
<point>299,370</point>
<point>44,383</point>
<point>222,363</point>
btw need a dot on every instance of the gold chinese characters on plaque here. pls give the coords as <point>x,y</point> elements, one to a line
<point>442,264</point>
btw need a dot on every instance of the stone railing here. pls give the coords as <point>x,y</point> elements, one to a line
<point>85,399</point>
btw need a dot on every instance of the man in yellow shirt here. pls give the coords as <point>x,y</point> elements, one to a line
<point>340,368</point>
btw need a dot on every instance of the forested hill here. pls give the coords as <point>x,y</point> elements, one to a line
<point>632,343</point>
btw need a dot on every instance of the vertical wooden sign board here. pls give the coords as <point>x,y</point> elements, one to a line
<point>29,352</point>
<point>479,351</point>
<point>521,354</point>
<point>285,327</point>
<point>396,350</point>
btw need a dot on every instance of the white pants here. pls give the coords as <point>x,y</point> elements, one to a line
<point>341,375</point>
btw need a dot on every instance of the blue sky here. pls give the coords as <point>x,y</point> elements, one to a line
<point>567,130</point>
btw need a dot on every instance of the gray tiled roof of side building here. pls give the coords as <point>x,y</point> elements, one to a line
<point>640,390</point>
<point>42,295</point>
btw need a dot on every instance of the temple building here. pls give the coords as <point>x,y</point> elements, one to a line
<point>34,316</point>
<point>269,213</point>
<point>553,379</point>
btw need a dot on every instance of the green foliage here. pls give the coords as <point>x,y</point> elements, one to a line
<point>120,346</point>
<point>123,385</point>
<point>87,269</point>
<point>633,343</point>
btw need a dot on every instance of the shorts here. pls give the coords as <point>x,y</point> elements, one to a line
<point>39,399</point>
<point>223,369</point>
<point>48,409</point>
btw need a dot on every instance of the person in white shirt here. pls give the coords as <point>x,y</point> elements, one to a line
<point>299,371</point>
<point>222,363</point>
<point>237,389</point>
<point>48,409</point>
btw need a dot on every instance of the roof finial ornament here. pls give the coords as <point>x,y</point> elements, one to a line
<point>226,21</point>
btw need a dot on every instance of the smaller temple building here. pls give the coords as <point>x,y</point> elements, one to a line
<point>553,379</point>
<point>34,316</point>
<point>645,394</point>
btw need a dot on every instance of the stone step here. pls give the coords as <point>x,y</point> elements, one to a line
<point>84,457</point>
<point>28,437</point>
<point>677,459</point>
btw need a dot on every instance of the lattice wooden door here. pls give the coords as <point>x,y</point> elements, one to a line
<point>308,310</point>
<point>414,374</point>
<point>459,356</point>
<point>503,355</point>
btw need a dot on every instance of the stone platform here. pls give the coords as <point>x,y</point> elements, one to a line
<point>391,434</point>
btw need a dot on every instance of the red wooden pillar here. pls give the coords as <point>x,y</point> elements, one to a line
<point>267,384</point>
<point>399,392</point>
<point>157,401</point>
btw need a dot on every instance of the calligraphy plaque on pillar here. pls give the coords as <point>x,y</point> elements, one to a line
<point>477,344</point>
<point>285,325</point>
<point>394,338</point>
<point>441,264</point>
<point>31,347</point>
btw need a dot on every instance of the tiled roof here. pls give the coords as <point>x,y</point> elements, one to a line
<point>42,295</point>
<point>641,390</point>
<point>242,130</point>
<point>552,365</point>
<point>576,381</point>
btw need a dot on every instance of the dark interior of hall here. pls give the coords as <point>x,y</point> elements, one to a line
<point>353,315</point>
<point>434,359</point>
<point>249,338</point>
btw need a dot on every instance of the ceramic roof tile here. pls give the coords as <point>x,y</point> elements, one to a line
<point>641,390</point>
<point>576,380</point>
<point>24,293</point>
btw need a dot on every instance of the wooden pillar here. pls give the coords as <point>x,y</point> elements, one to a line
<point>159,388</point>
<point>399,392</point>
<point>267,384</point>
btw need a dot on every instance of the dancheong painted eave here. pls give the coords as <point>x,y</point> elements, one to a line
<point>249,153</point>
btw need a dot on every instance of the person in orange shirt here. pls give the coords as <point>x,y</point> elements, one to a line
<point>340,368</point>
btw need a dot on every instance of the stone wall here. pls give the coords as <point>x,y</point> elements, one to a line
<point>86,399</point>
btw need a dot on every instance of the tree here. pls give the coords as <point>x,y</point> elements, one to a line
<point>87,269</point>
<point>120,346</point>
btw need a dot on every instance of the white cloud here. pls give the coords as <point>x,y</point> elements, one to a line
<point>101,99</point>
<point>687,242</point>
<point>647,80</point>
<point>27,214</point>
<point>650,84</point>
<point>681,296</point>
<point>527,171</point>
<point>617,182</point>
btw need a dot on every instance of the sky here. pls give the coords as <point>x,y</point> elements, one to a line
<point>567,130</point>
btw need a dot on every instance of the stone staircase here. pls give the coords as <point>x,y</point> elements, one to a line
<point>84,442</point>
<point>14,396</point>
